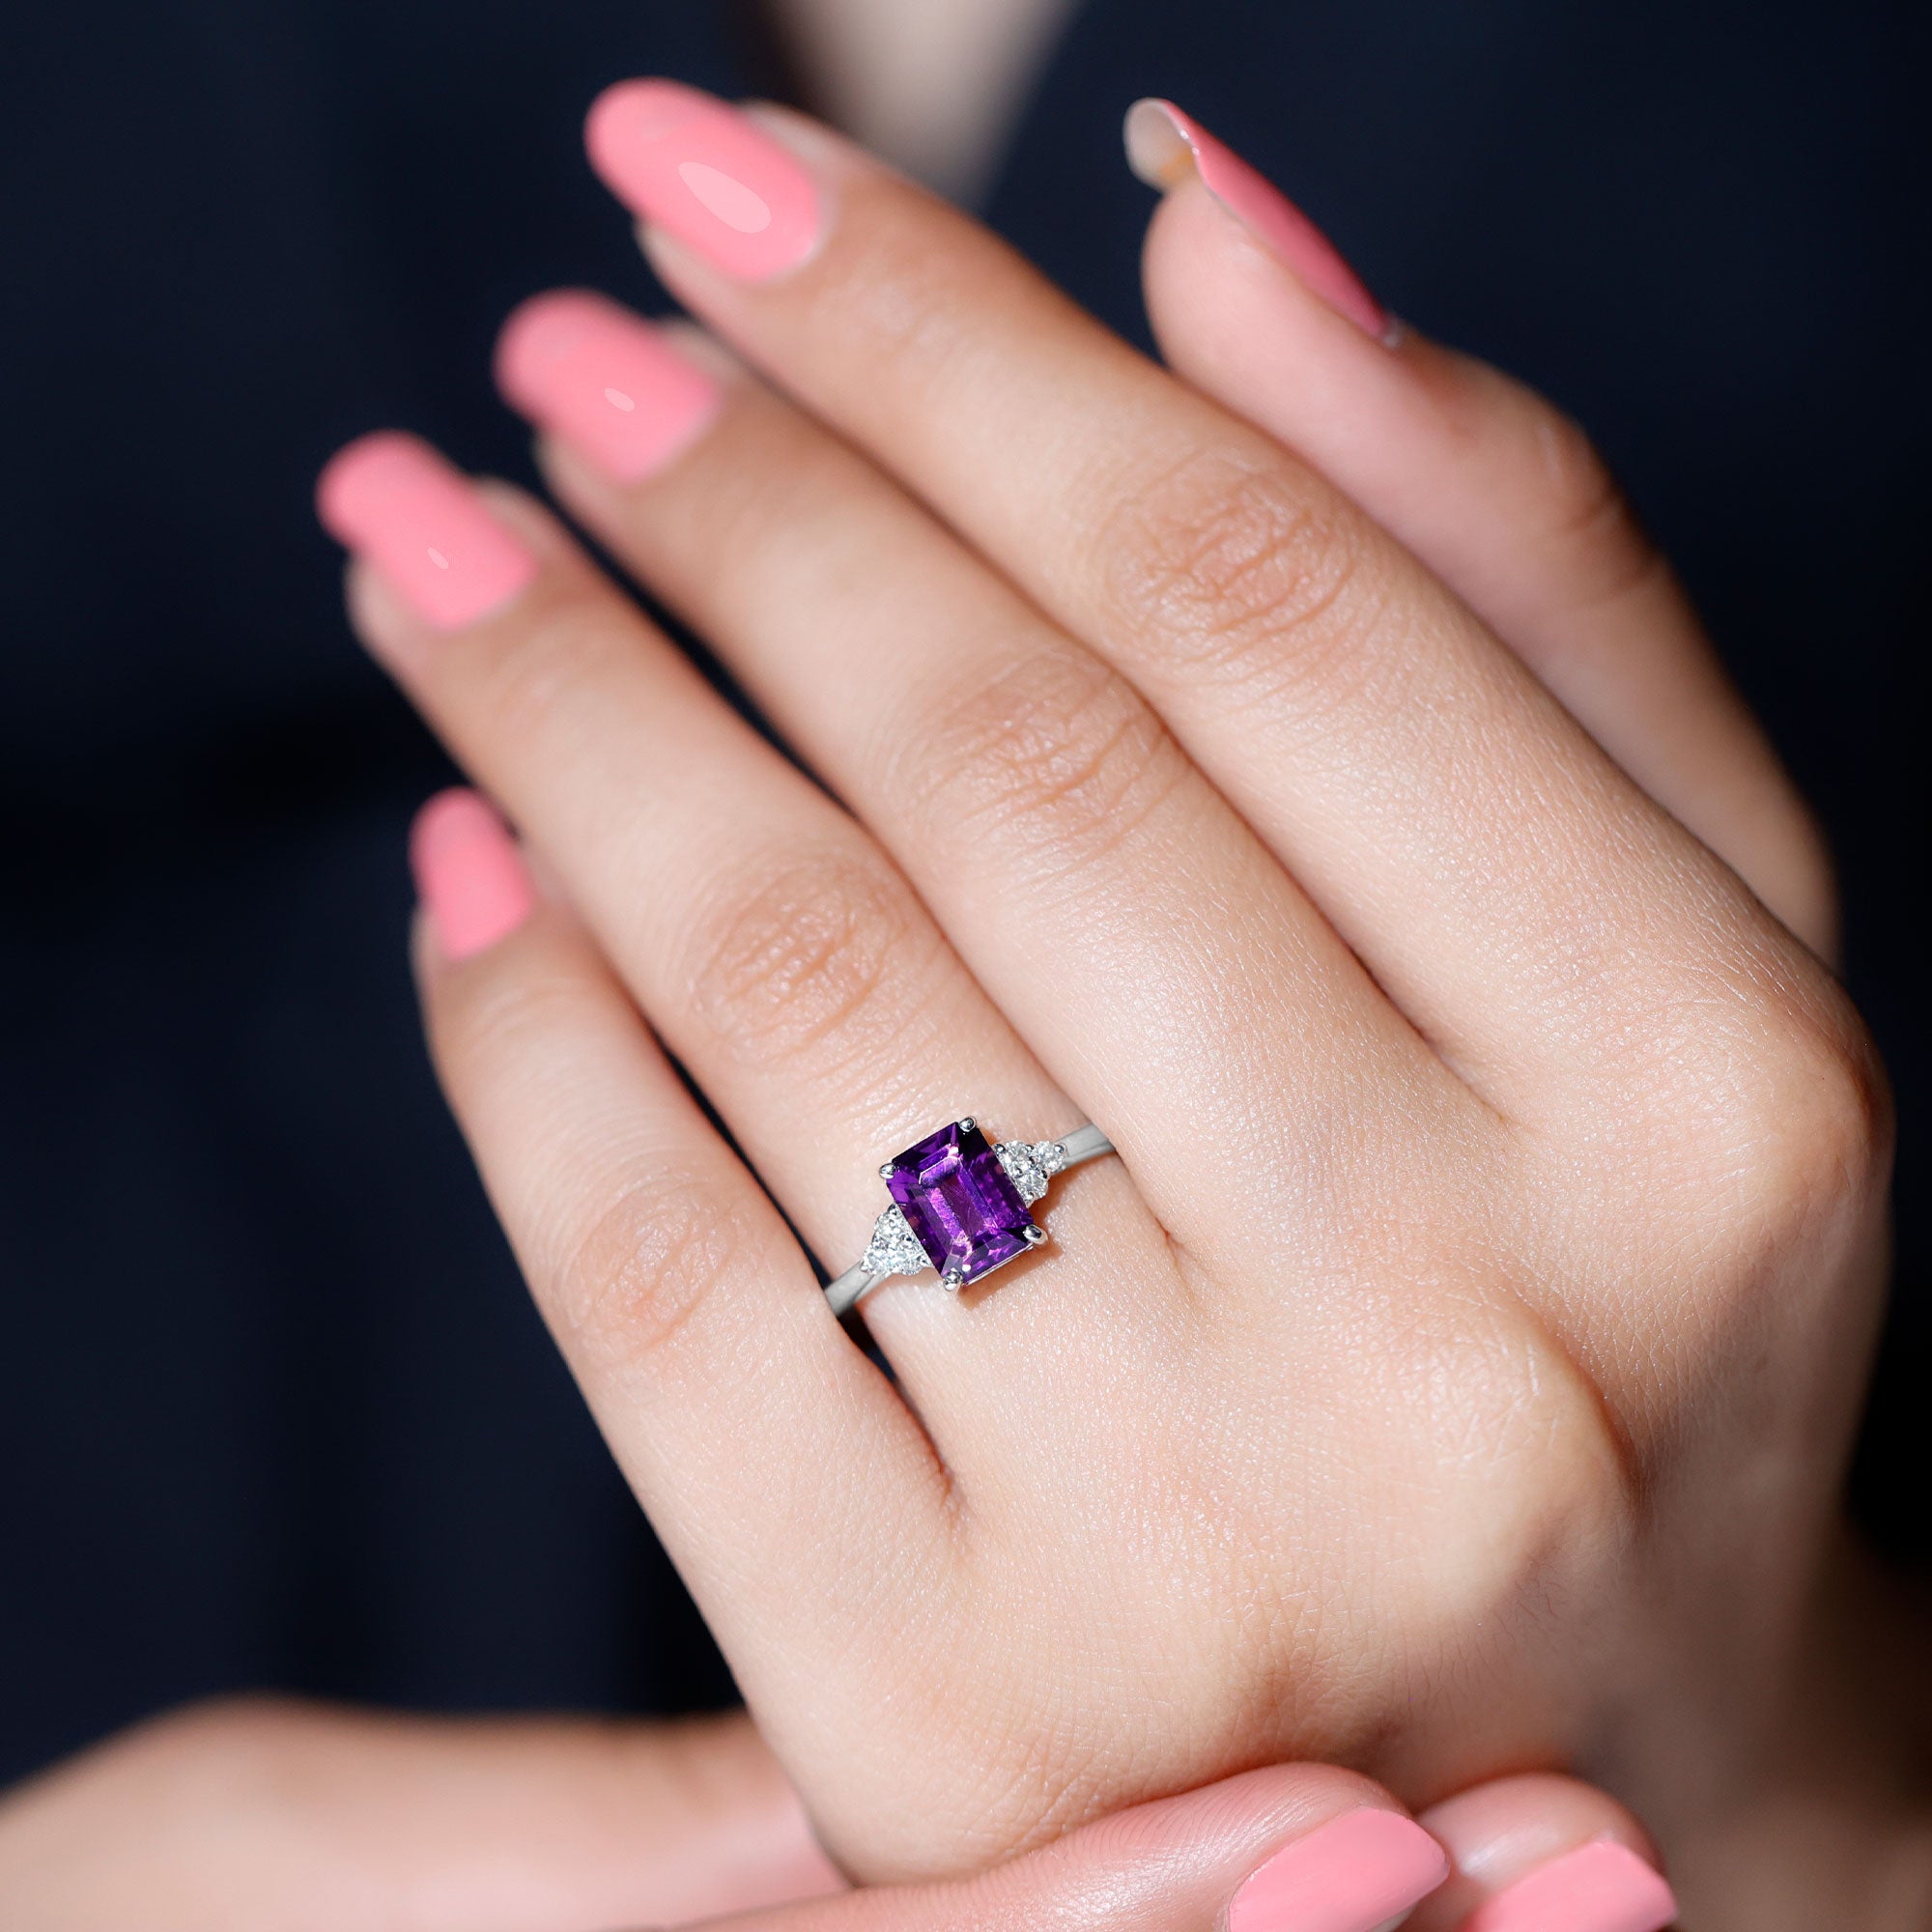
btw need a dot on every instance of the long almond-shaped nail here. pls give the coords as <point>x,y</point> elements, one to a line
<point>395,500</point>
<point>1600,1888</point>
<point>470,875</point>
<point>1165,146</point>
<point>1356,1873</point>
<point>706,174</point>
<point>604,380</point>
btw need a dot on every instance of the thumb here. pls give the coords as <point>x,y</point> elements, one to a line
<point>271,1816</point>
<point>1299,1848</point>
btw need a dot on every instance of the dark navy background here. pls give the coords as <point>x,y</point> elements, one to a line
<point>273,1408</point>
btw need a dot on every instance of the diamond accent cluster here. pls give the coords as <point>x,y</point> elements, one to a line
<point>1030,1167</point>
<point>895,1248</point>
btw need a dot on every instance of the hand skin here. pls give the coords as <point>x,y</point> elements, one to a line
<point>270,1816</point>
<point>1454,1374</point>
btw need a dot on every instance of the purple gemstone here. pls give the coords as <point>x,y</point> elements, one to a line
<point>960,1205</point>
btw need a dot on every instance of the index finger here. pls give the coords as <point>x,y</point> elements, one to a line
<point>1489,485</point>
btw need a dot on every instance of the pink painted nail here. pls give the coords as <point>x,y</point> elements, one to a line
<point>1603,1887</point>
<point>1356,1873</point>
<point>705,173</point>
<point>604,380</point>
<point>470,875</point>
<point>395,500</point>
<point>1164,146</point>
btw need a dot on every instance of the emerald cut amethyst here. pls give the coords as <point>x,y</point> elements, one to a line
<point>959,1204</point>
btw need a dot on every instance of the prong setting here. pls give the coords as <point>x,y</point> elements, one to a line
<point>960,1205</point>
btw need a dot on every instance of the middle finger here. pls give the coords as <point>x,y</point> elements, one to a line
<point>1118,909</point>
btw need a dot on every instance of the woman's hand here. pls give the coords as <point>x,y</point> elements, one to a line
<point>267,1815</point>
<point>275,1817</point>
<point>1455,1372</point>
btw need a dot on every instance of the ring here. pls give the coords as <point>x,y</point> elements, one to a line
<point>959,1205</point>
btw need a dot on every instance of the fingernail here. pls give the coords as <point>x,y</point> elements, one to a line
<point>1164,146</point>
<point>705,173</point>
<point>395,500</point>
<point>1357,1873</point>
<point>470,875</point>
<point>1603,1887</point>
<point>603,381</point>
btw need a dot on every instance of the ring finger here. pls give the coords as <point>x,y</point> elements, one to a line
<point>775,949</point>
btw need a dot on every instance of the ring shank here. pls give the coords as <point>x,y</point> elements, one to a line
<point>1083,1143</point>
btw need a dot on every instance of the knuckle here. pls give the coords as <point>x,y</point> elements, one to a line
<point>797,963</point>
<point>647,1265</point>
<point>1795,1128</point>
<point>1055,755</point>
<point>1233,569</point>
<point>1589,526</point>
<point>239,1727</point>
<point>223,1756</point>
<point>543,669</point>
<point>1821,1117</point>
<point>486,1025</point>
<point>911,315</point>
<point>1538,1468</point>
